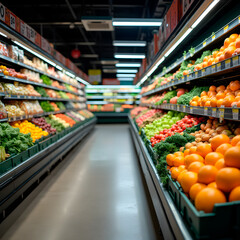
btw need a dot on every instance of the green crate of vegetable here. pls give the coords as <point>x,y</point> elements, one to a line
<point>222,223</point>
<point>24,155</point>
<point>6,165</point>
<point>33,150</point>
<point>44,144</point>
<point>54,138</point>
<point>16,160</point>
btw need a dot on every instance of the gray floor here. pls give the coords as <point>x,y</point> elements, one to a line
<point>96,193</point>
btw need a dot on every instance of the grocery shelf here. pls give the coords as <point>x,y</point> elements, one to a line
<point>217,112</point>
<point>21,97</point>
<point>169,219</point>
<point>9,78</point>
<point>206,43</point>
<point>227,67</point>
<point>110,114</point>
<point>97,102</point>
<point>110,91</point>
<point>111,97</point>
<point>15,183</point>
<point>9,60</point>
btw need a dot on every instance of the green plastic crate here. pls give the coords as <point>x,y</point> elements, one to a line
<point>24,155</point>
<point>16,160</point>
<point>5,166</point>
<point>222,223</point>
<point>33,150</point>
<point>44,144</point>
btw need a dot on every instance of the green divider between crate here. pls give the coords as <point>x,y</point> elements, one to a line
<point>5,166</point>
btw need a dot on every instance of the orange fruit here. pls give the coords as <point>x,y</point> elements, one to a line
<point>223,148</point>
<point>218,140</point>
<point>221,50</point>
<point>169,159</point>
<point>212,158</point>
<point>195,166</point>
<point>194,103</point>
<point>175,172</point>
<point>232,157</point>
<point>179,178</point>
<point>186,152</point>
<point>228,178</point>
<point>212,184</point>
<point>220,88</point>
<point>213,102</point>
<point>193,158</point>
<point>220,95</point>
<point>177,161</point>
<point>229,52</point>
<point>178,154</point>
<point>207,198</point>
<point>213,88</point>
<point>235,140</point>
<point>221,58</point>
<point>235,85</point>
<point>220,102</point>
<point>195,189</point>
<point>203,149</point>
<point>237,43</point>
<point>182,167</point>
<point>233,37</point>
<point>204,93</point>
<point>207,174</point>
<point>226,42</point>
<point>188,179</point>
<point>235,194</point>
<point>220,164</point>
<point>192,149</point>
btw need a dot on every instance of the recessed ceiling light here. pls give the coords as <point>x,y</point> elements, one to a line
<point>141,22</point>
<point>128,65</point>
<point>129,55</point>
<point>127,70</point>
<point>129,43</point>
<point>126,75</point>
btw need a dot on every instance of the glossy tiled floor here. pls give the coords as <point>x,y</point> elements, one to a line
<point>96,193</point>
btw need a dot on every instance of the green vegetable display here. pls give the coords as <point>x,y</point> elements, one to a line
<point>55,124</point>
<point>46,106</point>
<point>167,97</point>
<point>187,97</point>
<point>12,140</point>
<point>61,106</point>
<point>41,91</point>
<point>46,80</point>
<point>63,95</point>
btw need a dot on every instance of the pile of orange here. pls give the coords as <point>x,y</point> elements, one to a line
<point>209,173</point>
<point>231,46</point>
<point>219,96</point>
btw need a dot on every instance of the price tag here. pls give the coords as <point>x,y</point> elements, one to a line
<point>235,61</point>
<point>184,108</point>
<point>221,113</point>
<point>18,96</point>
<point>12,21</point>
<point>235,113</point>
<point>208,70</point>
<point>205,111</point>
<point>203,72</point>
<point>225,28</point>
<point>213,37</point>
<point>214,112</point>
<point>218,66</point>
<point>228,63</point>
<point>213,68</point>
<point>178,108</point>
<point>204,44</point>
<point>184,57</point>
<point>191,109</point>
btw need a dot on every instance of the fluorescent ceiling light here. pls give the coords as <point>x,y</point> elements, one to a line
<point>178,42</point>
<point>127,70</point>
<point>34,53</point>
<point>137,22</point>
<point>203,15</point>
<point>125,79</point>
<point>126,75</point>
<point>143,80</point>
<point>82,81</point>
<point>59,68</point>
<point>128,65</point>
<point>129,43</point>
<point>3,34</point>
<point>70,74</point>
<point>129,55</point>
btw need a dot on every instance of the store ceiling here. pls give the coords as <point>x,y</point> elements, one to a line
<point>53,20</point>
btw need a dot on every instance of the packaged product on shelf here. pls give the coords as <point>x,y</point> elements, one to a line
<point>53,94</point>
<point>13,52</point>
<point>13,109</point>
<point>31,107</point>
<point>20,55</point>
<point>3,49</point>
<point>39,64</point>
<point>31,75</point>
<point>10,89</point>
<point>32,91</point>
<point>3,113</point>
<point>57,85</point>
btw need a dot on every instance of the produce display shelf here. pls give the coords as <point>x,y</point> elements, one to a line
<point>111,102</point>
<point>111,97</point>
<point>227,66</point>
<point>169,218</point>
<point>110,114</point>
<point>35,83</point>
<point>8,59</point>
<point>12,119</point>
<point>24,97</point>
<point>206,43</point>
<point>217,112</point>
<point>111,91</point>
<point>15,182</point>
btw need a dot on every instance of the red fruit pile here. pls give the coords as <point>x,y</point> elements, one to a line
<point>147,115</point>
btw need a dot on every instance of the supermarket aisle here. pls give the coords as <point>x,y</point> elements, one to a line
<point>96,194</point>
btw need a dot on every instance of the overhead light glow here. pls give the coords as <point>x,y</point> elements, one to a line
<point>59,68</point>
<point>129,55</point>
<point>132,22</point>
<point>3,34</point>
<point>143,80</point>
<point>128,65</point>
<point>127,70</point>
<point>126,75</point>
<point>70,74</point>
<point>34,53</point>
<point>82,81</point>
<point>125,79</point>
<point>129,43</point>
<point>203,15</point>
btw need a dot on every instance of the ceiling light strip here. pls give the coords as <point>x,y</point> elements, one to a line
<point>128,65</point>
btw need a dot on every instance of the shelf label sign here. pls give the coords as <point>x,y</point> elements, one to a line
<point>235,113</point>
<point>221,113</point>
<point>214,112</point>
<point>228,63</point>
<point>213,37</point>
<point>205,111</point>
<point>2,12</point>
<point>12,21</point>
<point>213,68</point>
<point>235,60</point>
<point>184,108</point>
<point>204,44</point>
<point>191,110</point>
<point>225,28</point>
<point>218,66</point>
